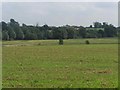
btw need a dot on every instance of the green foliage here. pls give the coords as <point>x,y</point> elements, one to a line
<point>60,41</point>
<point>27,32</point>
<point>5,35</point>
<point>62,33</point>
<point>101,33</point>
<point>0,31</point>
<point>87,42</point>
<point>82,32</point>
<point>91,34</point>
<point>11,33</point>
<point>50,34</point>
<point>30,36</point>
<point>0,35</point>
<point>97,25</point>
<point>15,26</point>
<point>110,31</point>
<point>71,33</point>
<point>19,34</point>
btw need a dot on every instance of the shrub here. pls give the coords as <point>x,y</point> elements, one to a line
<point>87,42</point>
<point>39,43</point>
<point>60,41</point>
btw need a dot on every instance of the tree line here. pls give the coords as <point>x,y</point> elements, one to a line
<point>14,31</point>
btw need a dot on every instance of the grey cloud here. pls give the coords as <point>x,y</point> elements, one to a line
<point>60,13</point>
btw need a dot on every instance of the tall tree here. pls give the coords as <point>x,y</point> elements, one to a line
<point>11,33</point>
<point>82,32</point>
<point>17,29</point>
<point>97,25</point>
<point>5,35</point>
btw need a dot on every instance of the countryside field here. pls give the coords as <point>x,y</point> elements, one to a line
<point>45,64</point>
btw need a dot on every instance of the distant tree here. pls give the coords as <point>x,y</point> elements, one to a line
<point>91,34</point>
<point>12,20</point>
<point>5,35</point>
<point>62,33</point>
<point>97,25</point>
<point>50,34</point>
<point>70,31</point>
<point>104,24</point>
<point>65,34</point>
<point>19,34</point>
<point>46,27</point>
<point>25,30</point>
<point>33,36</point>
<point>11,33</point>
<point>110,31</point>
<point>82,32</point>
<point>56,33</point>
<point>0,30</point>
<point>118,32</point>
<point>0,35</point>
<point>76,34</point>
<point>90,26</point>
<point>100,33</point>
<point>17,29</point>
<point>4,26</point>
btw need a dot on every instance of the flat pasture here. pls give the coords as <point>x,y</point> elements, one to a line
<point>45,64</point>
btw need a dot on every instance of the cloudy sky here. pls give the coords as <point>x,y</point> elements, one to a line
<point>61,13</point>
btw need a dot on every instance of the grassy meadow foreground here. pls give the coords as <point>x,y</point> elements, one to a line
<point>45,64</point>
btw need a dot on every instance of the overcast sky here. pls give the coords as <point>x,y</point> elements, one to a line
<point>61,13</point>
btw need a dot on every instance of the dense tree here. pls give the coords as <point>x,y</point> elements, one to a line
<point>62,33</point>
<point>0,30</point>
<point>56,33</point>
<point>4,26</point>
<point>118,32</point>
<point>110,31</point>
<point>97,25</point>
<point>50,34</point>
<point>0,35</point>
<point>71,33</point>
<point>91,34</point>
<point>13,31</point>
<point>5,35</point>
<point>17,29</point>
<point>100,33</point>
<point>82,32</point>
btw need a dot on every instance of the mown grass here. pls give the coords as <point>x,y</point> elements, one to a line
<point>64,66</point>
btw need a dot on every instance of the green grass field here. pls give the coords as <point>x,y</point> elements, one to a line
<point>55,42</point>
<point>45,64</point>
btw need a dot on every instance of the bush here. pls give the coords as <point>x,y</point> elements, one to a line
<point>60,41</point>
<point>87,42</point>
<point>39,43</point>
